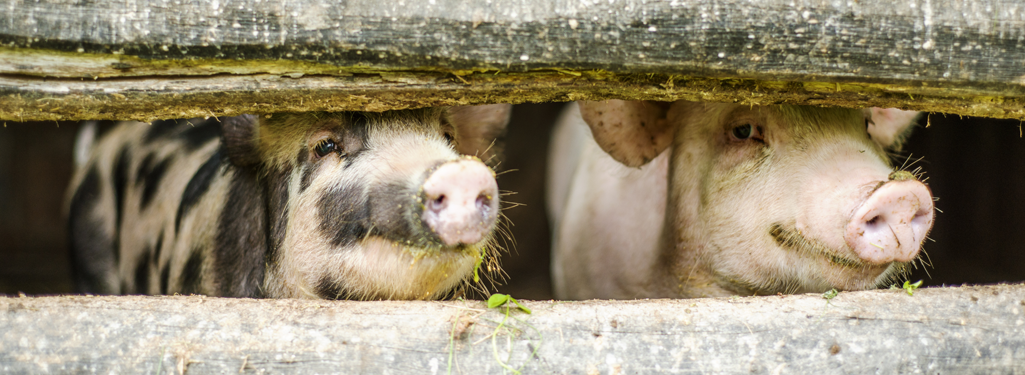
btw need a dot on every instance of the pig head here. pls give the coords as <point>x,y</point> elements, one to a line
<point>689,199</point>
<point>347,205</point>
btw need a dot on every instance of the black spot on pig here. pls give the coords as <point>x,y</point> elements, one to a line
<point>158,248</point>
<point>159,129</point>
<point>238,134</point>
<point>241,243</point>
<point>277,207</point>
<point>306,179</point>
<point>144,168</point>
<point>327,288</point>
<point>165,275</point>
<point>398,218</point>
<point>200,132</point>
<point>142,273</point>
<point>192,274</point>
<point>94,251</point>
<point>120,182</point>
<point>197,186</point>
<point>151,176</point>
<point>302,156</point>
<point>344,214</point>
<point>302,161</point>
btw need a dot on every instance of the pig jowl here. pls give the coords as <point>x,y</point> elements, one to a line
<point>690,199</point>
<point>390,205</point>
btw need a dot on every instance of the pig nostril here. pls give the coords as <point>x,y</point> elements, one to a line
<point>483,202</point>
<point>873,221</point>
<point>437,204</point>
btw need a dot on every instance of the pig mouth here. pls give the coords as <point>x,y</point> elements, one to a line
<point>790,238</point>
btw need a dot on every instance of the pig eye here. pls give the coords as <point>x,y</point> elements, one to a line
<point>746,131</point>
<point>325,147</point>
<point>449,138</point>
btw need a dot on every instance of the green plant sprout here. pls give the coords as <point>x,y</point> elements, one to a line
<point>495,301</point>
<point>910,288</point>
<point>499,299</point>
<point>830,294</point>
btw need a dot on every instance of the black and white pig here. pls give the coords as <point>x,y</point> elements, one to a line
<point>352,205</point>
<point>689,199</point>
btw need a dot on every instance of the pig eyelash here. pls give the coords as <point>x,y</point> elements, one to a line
<point>746,132</point>
<point>448,131</point>
<point>325,147</point>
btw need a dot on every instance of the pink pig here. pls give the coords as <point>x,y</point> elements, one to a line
<point>747,200</point>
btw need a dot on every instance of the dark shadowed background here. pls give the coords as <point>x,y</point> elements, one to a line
<point>975,166</point>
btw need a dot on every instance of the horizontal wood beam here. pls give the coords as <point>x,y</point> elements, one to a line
<point>979,329</point>
<point>148,59</point>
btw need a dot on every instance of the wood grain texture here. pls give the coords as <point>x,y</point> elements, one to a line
<point>938,330</point>
<point>148,59</point>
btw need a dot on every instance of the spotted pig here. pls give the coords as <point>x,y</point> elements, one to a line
<point>353,205</point>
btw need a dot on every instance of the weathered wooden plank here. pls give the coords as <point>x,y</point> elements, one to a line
<point>938,330</point>
<point>955,56</point>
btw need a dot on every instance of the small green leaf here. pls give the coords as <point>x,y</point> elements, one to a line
<point>830,294</point>
<point>910,288</point>
<point>520,305</point>
<point>497,300</point>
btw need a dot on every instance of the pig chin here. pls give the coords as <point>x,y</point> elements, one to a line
<point>397,271</point>
<point>378,268</point>
<point>829,268</point>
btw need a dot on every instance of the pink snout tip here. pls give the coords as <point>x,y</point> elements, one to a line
<point>461,202</point>
<point>892,223</point>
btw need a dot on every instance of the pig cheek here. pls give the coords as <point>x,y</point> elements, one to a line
<point>738,248</point>
<point>723,217</point>
<point>297,259</point>
<point>743,202</point>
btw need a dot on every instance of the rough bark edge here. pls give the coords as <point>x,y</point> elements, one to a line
<point>146,99</point>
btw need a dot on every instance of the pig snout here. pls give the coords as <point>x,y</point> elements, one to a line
<point>460,201</point>
<point>892,222</point>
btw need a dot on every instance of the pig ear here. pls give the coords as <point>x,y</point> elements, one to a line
<point>480,129</point>
<point>632,132</point>
<point>240,135</point>
<point>890,127</point>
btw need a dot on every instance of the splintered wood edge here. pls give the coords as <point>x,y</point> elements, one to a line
<point>151,98</point>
